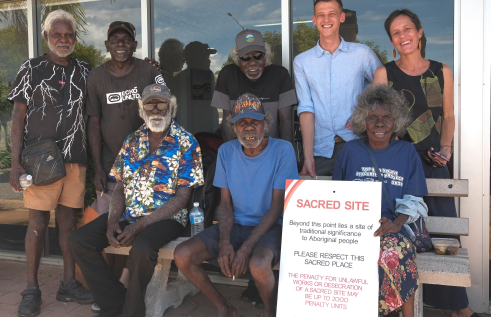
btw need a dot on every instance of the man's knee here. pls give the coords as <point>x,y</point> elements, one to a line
<point>188,253</point>
<point>260,265</point>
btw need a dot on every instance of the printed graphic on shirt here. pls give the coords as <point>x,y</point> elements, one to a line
<point>159,80</point>
<point>117,97</point>
<point>367,173</point>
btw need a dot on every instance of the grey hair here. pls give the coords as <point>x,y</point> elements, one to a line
<point>172,104</point>
<point>235,54</point>
<point>378,95</point>
<point>55,16</point>
<point>268,123</point>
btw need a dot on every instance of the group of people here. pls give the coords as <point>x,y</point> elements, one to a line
<point>146,164</point>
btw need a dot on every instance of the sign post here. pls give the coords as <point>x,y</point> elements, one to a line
<point>329,255</point>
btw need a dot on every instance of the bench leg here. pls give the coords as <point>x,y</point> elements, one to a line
<point>161,294</point>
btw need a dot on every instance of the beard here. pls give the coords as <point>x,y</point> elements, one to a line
<point>156,125</point>
<point>259,73</point>
<point>250,139</point>
<point>55,49</point>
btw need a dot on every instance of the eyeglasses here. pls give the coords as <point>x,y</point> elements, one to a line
<point>160,106</point>
<point>257,56</point>
<point>125,40</point>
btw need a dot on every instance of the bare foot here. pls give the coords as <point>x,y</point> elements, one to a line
<point>466,312</point>
<point>227,311</point>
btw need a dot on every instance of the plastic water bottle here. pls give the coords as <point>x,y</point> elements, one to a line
<point>25,181</point>
<point>197,218</point>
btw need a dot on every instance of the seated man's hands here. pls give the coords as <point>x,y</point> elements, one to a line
<point>112,229</point>
<point>129,234</point>
<point>225,257</point>
<point>386,227</point>
<point>240,264</point>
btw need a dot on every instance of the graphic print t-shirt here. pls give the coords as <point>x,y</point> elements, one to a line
<point>115,101</point>
<point>274,88</point>
<point>399,164</point>
<point>40,84</point>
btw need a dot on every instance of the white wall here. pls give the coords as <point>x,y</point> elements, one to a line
<point>473,77</point>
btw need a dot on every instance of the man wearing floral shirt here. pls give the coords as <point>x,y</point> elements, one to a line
<point>155,170</point>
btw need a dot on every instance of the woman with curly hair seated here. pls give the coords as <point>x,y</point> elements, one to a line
<point>379,116</point>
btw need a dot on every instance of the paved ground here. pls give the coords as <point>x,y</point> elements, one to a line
<point>12,282</point>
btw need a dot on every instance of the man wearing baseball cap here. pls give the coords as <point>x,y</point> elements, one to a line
<point>251,172</point>
<point>155,171</point>
<point>254,73</point>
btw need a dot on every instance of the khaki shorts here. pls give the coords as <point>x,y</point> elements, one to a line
<point>68,191</point>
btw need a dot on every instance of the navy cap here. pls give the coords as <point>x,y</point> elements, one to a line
<point>155,91</point>
<point>247,106</point>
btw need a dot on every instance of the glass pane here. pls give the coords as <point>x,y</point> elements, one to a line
<point>365,23</point>
<point>93,18</point>
<point>13,51</point>
<point>195,25</point>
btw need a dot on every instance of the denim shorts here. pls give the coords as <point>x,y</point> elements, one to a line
<point>239,234</point>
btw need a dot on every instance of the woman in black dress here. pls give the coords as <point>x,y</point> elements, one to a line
<point>428,87</point>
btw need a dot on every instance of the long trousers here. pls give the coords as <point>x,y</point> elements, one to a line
<point>86,245</point>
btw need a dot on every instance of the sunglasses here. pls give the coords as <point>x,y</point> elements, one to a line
<point>160,106</point>
<point>257,56</point>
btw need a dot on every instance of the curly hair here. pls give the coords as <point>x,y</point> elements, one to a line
<point>380,96</point>
<point>268,123</point>
<point>235,54</point>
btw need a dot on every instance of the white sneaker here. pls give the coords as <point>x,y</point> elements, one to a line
<point>95,308</point>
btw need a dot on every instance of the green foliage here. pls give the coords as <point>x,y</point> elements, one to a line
<point>5,157</point>
<point>304,37</point>
<point>272,38</point>
<point>13,51</point>
<point>89,54</point>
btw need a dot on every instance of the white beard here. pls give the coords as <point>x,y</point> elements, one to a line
<point>250,144</point>
<point>54,48</point>
<point>157,126</point>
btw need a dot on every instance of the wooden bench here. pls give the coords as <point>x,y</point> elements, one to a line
<point>433,269</point>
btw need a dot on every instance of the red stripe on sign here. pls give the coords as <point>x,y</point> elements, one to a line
<point>294,186</point>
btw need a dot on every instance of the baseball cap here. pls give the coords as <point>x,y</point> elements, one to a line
<point>249,40</point>
<point>121,25</point>
<point>247,106</point>
<point>156,91</point>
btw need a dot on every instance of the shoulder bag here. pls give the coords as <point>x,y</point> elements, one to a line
<point>421,239</point>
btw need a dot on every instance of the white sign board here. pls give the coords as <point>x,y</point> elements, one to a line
<point>329,255</point>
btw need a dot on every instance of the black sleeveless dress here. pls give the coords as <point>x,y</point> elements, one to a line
<point>424,94</point>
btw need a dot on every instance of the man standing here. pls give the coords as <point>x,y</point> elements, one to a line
<point>156,170</point>
<point>113,90</point>
<point>329,77</point>
<point>254,73</point>
<point>37,94</point>
<point>251,172</point>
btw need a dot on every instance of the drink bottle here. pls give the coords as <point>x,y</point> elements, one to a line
<point>197,218</point>
<point>25,181</point>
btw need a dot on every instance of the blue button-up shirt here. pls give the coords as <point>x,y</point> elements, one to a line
<point>328,86</point>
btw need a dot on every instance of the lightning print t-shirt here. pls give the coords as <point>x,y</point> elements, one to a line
<point>41,85</point>
<point>115,101</point>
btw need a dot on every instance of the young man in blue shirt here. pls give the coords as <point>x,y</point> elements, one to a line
<point>251,172</point>
<point>328,78</point>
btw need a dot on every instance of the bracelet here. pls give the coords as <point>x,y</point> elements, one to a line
<point>445,146</point>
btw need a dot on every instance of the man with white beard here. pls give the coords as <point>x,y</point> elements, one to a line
<point>38,94</point>
<point>251,172</point>
<point>155,170</point>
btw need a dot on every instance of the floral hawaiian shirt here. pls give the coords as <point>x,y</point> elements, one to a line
<point>150,180</point>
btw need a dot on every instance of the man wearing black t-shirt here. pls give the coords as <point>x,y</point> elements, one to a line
<point>38,96</point>
<point>254,73</point>
<point>113,90</point>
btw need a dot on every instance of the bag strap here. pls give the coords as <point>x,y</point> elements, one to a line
<point>388,198</point>
<point>66,97</point>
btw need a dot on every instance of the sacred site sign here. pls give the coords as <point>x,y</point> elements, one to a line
<point>328,252</point>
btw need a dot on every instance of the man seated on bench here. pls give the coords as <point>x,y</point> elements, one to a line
<point>156,169</point>
<point>251,172</point>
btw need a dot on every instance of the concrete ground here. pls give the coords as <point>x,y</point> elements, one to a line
<point>13,282</point>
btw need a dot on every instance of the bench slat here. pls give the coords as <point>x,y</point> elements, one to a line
<point>436,186</point>
<point>444,269</point>
<point>448,226</point>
